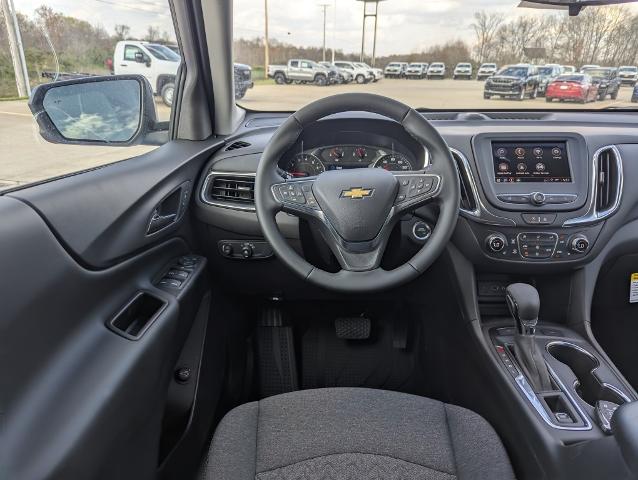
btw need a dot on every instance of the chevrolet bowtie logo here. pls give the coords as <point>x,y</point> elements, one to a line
<point>357,193</point>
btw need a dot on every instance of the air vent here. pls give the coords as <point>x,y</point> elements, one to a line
<point>237,145</point>
<point>232,189</point>
<point>608,181</point>
<point>468,193</point>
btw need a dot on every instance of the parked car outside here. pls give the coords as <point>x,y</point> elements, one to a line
<point>585,67</point>
<point>514,81</point>
<point>395,69</point>
<point>360,75</point>
<point>436,70</point>
<point>377,73</point>
<point>634,94</point>
<point>340,76</point>
<point>577,87</point>
<point>569,69</point>
<point>416,70</point>
<point>302,71</point>
<point>628,74</point>
<point>546,75</point>
<point>607,80</point>
<point>463,70</point>
<point>486,70</point>
<point>243,78</point>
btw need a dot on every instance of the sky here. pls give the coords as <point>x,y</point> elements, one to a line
<point>404,26</point>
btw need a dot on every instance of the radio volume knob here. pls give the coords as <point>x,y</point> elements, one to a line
<point>579,243</point>
<point>538,198</point>
<point>496,242</point>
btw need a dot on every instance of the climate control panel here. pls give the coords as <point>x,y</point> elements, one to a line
<point>516,244</point>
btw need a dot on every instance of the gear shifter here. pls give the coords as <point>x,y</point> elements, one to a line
<point>524,305</point>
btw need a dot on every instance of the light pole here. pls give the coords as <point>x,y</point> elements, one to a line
<point>16,48</point>
<point>266,48</point>
<point>324,6</point>
<point>367,14</point>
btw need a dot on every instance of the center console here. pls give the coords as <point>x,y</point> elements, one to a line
<point>538,198</point>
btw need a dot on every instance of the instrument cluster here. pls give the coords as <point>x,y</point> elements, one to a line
<point>310,163</point>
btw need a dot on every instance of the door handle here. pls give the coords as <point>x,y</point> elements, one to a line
<point>169,210</point>
<point>123,65</point>
<point>159,222</point>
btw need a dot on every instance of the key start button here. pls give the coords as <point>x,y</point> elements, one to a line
<point>421,231</point>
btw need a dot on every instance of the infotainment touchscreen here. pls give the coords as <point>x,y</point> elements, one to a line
<point>530,162</point>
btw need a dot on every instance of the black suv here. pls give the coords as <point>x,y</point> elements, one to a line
<point>607,80</point>
<point>514,81</point>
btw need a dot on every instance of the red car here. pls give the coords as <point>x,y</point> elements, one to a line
<point>576,87</point>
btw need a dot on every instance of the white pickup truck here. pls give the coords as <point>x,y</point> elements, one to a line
<point>159,64</point>
<point>302,71</point>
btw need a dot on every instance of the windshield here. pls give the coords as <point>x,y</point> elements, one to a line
<point>570,78</point>
<point>513,72</point>
<point>452,40</point>
<point>162,52</point>
<point>598,72</point>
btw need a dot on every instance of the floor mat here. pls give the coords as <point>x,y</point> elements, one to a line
<point>328,361</point>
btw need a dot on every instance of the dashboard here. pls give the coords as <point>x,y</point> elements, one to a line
<point>340,157</point>
<point>540,190</point>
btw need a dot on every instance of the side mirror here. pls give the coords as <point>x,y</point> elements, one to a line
<point>139,57</point>
<point>114,110</point>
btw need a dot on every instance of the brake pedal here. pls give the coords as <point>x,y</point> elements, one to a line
<point>353,328</point>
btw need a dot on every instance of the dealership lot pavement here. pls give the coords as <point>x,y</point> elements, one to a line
<point>435,94</point>
<point>26,157</point>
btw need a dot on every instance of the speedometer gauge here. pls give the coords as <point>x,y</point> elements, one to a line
<point>305,165</point>
<point>394,162</point>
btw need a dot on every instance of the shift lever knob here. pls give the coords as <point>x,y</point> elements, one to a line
<point>524,304</point>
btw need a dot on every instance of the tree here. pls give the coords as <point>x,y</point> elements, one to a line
<point>152,34</point>
<point>485,28</point>
<point>122,32</point>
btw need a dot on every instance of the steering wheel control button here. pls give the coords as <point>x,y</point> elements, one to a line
<point>538,198</point>
<point>414,186</point>
<point>539,218</point>
<point>496,242</point>
<point>421,231</point>
<point>579,243</point>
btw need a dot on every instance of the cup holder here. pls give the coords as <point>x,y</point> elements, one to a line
<point>582,363</point>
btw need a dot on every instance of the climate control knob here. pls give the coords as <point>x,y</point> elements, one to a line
<point>579,243</point>
<point>537,198</point>
<point>496,242</point>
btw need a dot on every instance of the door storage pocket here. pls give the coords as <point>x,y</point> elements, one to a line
<point>137,315</point>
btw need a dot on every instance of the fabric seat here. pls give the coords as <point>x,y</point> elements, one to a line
<point>354,433</point>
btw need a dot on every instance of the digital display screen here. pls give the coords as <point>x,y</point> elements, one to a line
<point>516,162</point>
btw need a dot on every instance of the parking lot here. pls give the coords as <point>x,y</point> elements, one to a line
<point>435,94</point>
<point>27,157</point>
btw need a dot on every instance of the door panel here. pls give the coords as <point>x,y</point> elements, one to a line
<point>79,400</point>
<point>101,216</point>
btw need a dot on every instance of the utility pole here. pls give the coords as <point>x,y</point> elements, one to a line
<point>16,48</point>
<point>334,32</point>
<point>324,6</point>
<point>266,44</point>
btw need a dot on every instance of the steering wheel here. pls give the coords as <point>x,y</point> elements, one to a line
<point>355,210</point>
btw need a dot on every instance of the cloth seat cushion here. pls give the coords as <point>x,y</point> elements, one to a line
<point>354,433</point>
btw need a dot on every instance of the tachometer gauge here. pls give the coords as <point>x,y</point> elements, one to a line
<point>305,165</point>
<point>337,153</point>
<point>396,162</point>
<point>360,153</point>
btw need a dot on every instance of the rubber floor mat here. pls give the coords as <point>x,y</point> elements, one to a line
<point>328,361</point>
